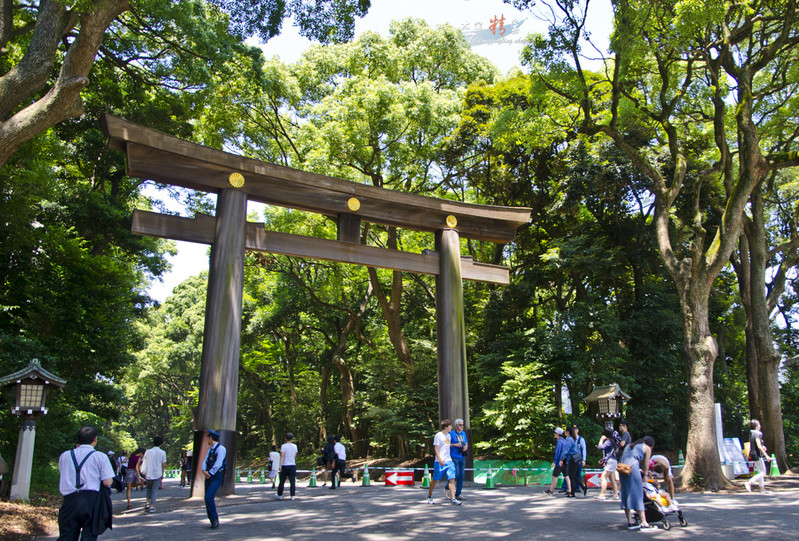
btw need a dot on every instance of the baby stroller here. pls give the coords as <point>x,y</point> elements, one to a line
<point>656,510</point>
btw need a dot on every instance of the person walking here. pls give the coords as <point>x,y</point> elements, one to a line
<point>443,467</point>
<point>152,465</point>
<point>577,462</point>
<point>288,466</point>
<point>632,485</point>
<point>122,466</point>
<point>274,464</point>
<point>557,468</point>
<point>132,477</point>
<point>213,468</point>
<point>459,445</point>
<point>624,434</point>
<point>757,450</point>
<point>609,446</point>
<point>183,465</point>
<point>329,458</point>
<point>565,459</point>
<point>340,462</point>
<point>82,471</point>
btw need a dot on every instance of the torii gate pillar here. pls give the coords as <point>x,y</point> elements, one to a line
<point>219,374</point>
<point>453,383</point>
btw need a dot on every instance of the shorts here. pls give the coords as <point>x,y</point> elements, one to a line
<point>611,464</point>
<point>557,471</point>
<point>447,471</point>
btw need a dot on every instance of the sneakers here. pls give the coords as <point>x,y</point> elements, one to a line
<point>460,498</point>
<point>430,500</point>
<point>292,498</point>
<point>278,497</point>
<point>547,491</point>
<point>601,497</point>
<point>150,509</point>
<point>633,526</point>
<point>455,501</point>
<point>748,486</point>
<point>766,492</point>
<point>215,525</point>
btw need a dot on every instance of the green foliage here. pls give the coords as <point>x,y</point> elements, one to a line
<point>521,413</point>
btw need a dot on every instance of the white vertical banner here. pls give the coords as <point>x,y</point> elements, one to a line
<point>719,435</point>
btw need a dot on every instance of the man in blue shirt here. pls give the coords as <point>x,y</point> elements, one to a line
<point>578,455</point>
<point>557,467</point>
<point>213,468</point>
<point>457,450</point>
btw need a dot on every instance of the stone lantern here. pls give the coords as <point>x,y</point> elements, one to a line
<point>31,385</point>
<point>609,400</point>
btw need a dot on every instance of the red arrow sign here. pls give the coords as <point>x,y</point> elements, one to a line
<point>593,479</point>
<point>399,477</point>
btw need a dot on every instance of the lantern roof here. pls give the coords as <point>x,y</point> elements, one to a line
<point>607,392</point>
<point>33,371</point>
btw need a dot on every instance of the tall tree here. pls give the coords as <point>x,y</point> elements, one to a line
<point>675,71</point>
<point>48,47</point>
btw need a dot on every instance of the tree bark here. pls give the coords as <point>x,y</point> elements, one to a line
<point>30,75</point>
<point>392,308</point>
<point>767,360</point>
<point>346,377</point>
<point>743,272</point>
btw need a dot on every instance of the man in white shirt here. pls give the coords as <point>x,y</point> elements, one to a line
<point>81,472</point>
<point>288,466</point>
<point>152,466</point>
<point>213,468</point>
<point>443,467</point>
<point>340,463</point>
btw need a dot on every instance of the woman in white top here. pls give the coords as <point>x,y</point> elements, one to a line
<point>757,450</point>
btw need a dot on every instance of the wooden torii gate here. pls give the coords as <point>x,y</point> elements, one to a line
<point>235,179</point>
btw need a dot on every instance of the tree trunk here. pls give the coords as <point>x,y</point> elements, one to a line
<point>347,379</point>
<point>702,464</point>
<point>347,396</point>
<point>768,361</point>
<point>743,271</point>
<point>323,403</point>
<point>391,308</point>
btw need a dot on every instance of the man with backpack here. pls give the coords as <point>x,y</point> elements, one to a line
<point>577,456</point>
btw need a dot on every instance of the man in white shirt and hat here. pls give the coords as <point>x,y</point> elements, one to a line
<point>81,472</point>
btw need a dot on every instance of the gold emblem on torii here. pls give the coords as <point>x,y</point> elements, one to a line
<point>236,180</point>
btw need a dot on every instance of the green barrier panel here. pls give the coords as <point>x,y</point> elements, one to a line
<point>541,473</point>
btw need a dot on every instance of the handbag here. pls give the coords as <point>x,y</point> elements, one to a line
<point>624,469</point>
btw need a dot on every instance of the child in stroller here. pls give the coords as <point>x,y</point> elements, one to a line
<point>658,505</point>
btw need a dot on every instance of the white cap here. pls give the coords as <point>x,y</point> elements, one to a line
<point>110,453</point>
<point>558,431</point>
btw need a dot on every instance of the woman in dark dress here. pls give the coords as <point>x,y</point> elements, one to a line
<point>131,475</point>
<point>632,485</point>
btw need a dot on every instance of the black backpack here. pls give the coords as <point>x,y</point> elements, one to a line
<point>330,453</point>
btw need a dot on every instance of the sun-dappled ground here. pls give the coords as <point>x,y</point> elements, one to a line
<point>23,521</point>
